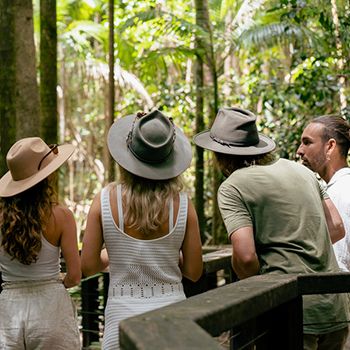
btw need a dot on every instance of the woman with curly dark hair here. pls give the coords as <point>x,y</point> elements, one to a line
<point>36,311</point>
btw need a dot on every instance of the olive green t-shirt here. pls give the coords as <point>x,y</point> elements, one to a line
<point>282,201</point>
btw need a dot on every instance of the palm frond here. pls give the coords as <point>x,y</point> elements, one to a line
<point>142,16</point>
<point>176,53</point>
<point>165,21</point>
<point>275,33</point>
<point>98,69</point>
<point>89,29</point>
<point>244,18</point>
<point>126,78</point>
<point>228,6</point>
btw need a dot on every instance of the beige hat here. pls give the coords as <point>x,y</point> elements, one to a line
<point>31,160</point>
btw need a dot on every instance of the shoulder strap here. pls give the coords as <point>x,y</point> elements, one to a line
<point>171,214</point>
<point>183,202</point>
<point>104,205</point>
<point>120,207</point>
<point>182,214</point>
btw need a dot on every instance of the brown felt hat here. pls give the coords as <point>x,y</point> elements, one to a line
<point>149,146</point>
<point>31,160</point>
<point>234,132</point>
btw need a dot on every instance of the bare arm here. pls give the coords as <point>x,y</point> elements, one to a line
<point>334,221</point>
<point>93,258</point>
<point>245,261</point>
<point>191,262</point>
<point>69,246</point>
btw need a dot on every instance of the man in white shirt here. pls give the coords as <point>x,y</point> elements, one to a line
<point>324,149</point>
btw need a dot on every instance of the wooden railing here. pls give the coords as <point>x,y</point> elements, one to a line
<point>262,310</point>
<point>265,310</point>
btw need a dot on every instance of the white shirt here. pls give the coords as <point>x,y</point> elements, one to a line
<point>338,189</point>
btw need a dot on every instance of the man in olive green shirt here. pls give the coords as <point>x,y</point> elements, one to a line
<point>278,218</point>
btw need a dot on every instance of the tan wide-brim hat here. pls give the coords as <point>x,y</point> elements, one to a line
<point>149,146</point>
<point>234,131</point>
<point>31,160</point>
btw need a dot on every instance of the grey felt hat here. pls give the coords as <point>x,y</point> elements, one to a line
<point>149,146</point>
<point>234,132</point>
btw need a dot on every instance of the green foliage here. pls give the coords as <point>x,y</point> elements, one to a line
<point>276,58</point>
<point>271,34</point>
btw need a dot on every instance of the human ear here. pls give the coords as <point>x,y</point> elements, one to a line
<point>331,145</point>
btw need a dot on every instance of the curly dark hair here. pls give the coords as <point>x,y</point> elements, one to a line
<point>23,219</point>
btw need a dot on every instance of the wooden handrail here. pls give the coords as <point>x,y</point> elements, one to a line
<point>192,323</point>
<point>269,305</point>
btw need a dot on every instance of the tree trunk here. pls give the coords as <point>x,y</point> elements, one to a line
<point>48,71</point>
<point>110,166</point>
<point>203,21</point>
<point>7,81</point>
<point>27,93</point>
<point>217,223</point>
<point>199,162</point>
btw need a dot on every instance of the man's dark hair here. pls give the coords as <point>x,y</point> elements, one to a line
<point>335,127</point>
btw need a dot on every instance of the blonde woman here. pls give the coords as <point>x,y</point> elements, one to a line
<point>36,311</point>
<point>149,227</point>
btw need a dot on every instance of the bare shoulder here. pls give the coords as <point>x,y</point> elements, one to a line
<point>60,222</point>
<point>191,209</point>
<point>62,213</point>
<point>96,203</point>
<point>61,209</point>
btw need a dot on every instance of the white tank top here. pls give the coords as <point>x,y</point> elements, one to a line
<point>46,267</point>
<point>143,268</point>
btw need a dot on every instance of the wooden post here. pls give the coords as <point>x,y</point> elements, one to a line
<point>89,310</point>
<point>105,288</point>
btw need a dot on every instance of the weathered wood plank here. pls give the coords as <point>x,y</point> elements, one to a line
<point>263,309</point>
<point>152,332</point>
<point>217,260</point>
<point>319,283</point>
<point>215,311</point>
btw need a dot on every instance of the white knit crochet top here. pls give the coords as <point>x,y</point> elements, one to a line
<point>143,268</point>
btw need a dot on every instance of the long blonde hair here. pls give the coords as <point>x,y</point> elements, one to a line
<point>23,219</point>
<point>144,200</point>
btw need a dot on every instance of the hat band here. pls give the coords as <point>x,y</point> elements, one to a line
<point>147,160</point>
<point>235,144</point>
<point>53,149</point>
